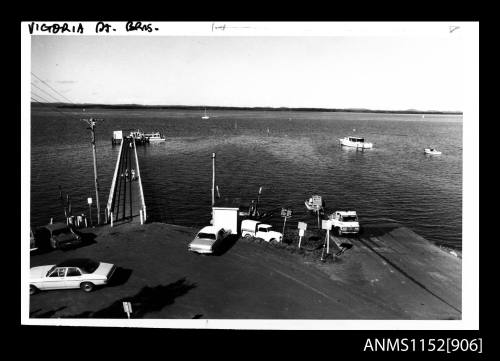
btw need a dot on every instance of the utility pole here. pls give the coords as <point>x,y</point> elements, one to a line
<point>91,123</point>
<point>213,179</point>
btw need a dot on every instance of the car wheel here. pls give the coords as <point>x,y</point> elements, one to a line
<point>87,286</point>
<point>247,236</point>
<point>272,240</point>
<point>33,290</point>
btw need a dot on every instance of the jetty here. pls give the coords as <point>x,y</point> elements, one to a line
<point>126,201</point>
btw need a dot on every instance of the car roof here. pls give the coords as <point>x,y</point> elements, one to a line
<point>56,226</point>
<point>250,221</point>
<point>208,229</point>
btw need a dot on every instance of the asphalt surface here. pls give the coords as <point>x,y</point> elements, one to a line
<point>388,273</point>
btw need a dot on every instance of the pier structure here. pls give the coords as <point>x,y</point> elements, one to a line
<point>126,201</point>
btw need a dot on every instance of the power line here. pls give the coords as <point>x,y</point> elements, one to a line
<point>50,105</point>
<point>52,88</point>
<point>53,97</point>
<point>39,96</point>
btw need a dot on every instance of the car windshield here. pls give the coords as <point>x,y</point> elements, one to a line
<point>349,218</point>
<point>206,235</point>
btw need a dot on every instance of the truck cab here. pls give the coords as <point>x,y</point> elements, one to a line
<point>252,228</point>
<point>345,222</point>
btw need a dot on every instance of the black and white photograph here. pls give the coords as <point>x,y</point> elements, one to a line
<point>250,175</point>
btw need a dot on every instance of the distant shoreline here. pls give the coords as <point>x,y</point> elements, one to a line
<point>199,107</point>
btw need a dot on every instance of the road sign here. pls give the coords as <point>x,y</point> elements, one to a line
<point>326,224</point>
<point>286,212</point>
<point>317,202</point>
<point>301,233</point>
<point>89,200</point>
<point>302,225</point>
<point>127,308</point>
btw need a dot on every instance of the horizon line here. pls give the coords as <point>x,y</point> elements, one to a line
<point>179,106</point>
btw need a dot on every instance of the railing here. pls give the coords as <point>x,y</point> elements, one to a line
<point>113,183</point>
<point>143,202</point>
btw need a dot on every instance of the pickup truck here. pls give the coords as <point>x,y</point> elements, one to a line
<point>251,228</point>
<point>345,222</point>
<point>207,239</point>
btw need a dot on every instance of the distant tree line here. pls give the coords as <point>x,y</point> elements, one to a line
<point>198,107</point>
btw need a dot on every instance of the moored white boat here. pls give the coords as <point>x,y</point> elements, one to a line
<point>206,115</point>
<point>355,142</point>
<point>314,203</point>
<point>431,151</point>
<point>155,137</point>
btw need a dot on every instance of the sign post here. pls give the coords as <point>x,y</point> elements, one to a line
<point>89,201</point>
<point>317,203</point>
<point>127,308</point>
<point>327,225</point>
<point>285,213</point>
<point>302,227</point>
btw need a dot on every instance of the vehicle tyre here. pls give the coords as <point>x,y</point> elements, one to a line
<point>339,232</point>
<point>247,236</point>
<point>272,240</point>
<point>87,286</point>
<point>33,290</point>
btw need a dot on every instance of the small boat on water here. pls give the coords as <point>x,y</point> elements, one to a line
<point>206,115</point>
<point>355,142</point>
<point>155,137</point>
<point>314,203</point>
<point>431,151</point>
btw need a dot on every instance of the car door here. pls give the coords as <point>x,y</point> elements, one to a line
<point>56,279</point>
<point>73,278</point>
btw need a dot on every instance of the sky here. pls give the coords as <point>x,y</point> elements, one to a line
<point>392,73</point>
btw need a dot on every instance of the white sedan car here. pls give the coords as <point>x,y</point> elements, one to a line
<point>207,239</point>
<point>75,273</point>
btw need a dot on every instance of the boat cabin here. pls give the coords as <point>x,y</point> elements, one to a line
<point>356,139</point>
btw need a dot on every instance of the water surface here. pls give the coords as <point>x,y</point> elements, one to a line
<point>291,154</point>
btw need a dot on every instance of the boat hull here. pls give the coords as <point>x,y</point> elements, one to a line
<point>362,145</point>
<point>432,152</point>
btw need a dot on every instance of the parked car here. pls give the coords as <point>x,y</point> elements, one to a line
<point>251,228</point>
<point>57,235</point>
<point>207,239</point>
<point>81,273</point>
